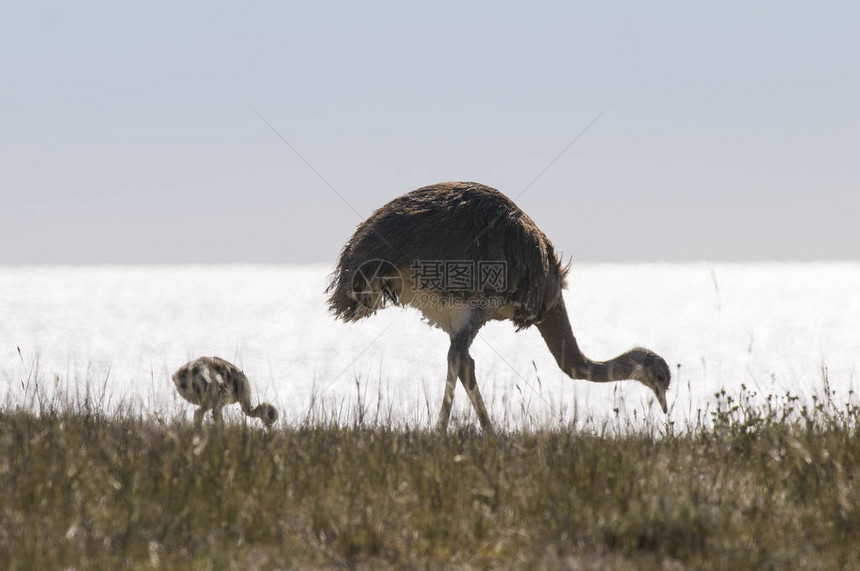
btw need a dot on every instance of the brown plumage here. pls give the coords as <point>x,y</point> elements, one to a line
<point>452,221</point>
<point>468,224</point>
<point>212,383</point>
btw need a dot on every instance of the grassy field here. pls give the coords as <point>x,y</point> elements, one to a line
<point>759,483</point>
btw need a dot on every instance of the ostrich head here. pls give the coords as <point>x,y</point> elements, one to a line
<point>267,413</point>
<point>652,371</point>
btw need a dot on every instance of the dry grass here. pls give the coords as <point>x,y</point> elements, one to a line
<point>761,483</point>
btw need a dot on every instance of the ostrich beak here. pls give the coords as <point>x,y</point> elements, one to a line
<point>661,398</point>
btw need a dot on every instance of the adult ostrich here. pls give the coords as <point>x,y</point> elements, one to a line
<point>463,253</point>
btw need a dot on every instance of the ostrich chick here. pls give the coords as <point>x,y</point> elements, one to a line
<point>212,383</point>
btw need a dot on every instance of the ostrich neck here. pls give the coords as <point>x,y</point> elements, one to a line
<point>245,403</point>
<point>558,335</point>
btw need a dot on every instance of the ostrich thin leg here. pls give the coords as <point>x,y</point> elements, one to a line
<point>448,398</point>
<point>461,364</point>
<point>467,377</point>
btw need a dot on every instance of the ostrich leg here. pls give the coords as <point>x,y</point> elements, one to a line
<point>467,377</point>
<point>460,364</point>
<point>198,415</point>
<point>448,398</point>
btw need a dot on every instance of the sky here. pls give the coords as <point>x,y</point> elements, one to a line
<point>226,132</point>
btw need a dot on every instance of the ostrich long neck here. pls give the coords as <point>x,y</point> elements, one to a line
<point>558,335</point>
<point>260,411</point>
<point>245,403</point>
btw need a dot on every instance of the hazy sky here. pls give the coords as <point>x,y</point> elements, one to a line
<point>130,133</point>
